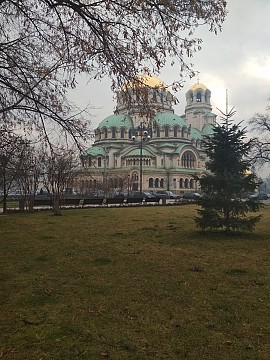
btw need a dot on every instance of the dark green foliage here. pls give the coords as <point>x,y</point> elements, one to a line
<point>228,181</point>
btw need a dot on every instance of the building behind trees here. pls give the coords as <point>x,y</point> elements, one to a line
<point>146,135</point>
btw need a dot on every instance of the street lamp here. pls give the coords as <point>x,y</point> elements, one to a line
<point>105,180</point>
<point>142,133</point>
<point>128,178</point>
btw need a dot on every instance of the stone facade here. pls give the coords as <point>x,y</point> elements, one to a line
<point>145,145</point>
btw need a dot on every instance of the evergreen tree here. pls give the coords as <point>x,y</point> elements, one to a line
<point>228,180</point>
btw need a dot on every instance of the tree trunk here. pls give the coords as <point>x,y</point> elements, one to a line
<point>5,194</point>
<point>56,204</point>
<point>31,203</point>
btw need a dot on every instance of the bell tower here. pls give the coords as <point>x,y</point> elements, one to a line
<point>198,111</point>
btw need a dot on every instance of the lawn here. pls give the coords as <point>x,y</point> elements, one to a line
<point>132,283</point>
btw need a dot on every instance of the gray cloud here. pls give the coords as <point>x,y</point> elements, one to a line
<point>237,59</point>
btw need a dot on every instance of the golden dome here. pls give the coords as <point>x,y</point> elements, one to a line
<point>146,80</point>
<point>198,86</point>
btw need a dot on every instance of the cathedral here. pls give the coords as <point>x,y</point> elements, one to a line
<point>145,146</point>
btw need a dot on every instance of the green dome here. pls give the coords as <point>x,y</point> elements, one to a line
<point>94,151</point>
<point>195,134</point>
<point>207,129</point>
<point>116,120</point>
<point>169,118</point>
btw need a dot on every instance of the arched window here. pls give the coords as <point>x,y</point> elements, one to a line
<point>186,183</point>
<point>166,131</point>
<point>123,133</point>
<point>198,97</point>
<point>158,132</point>
<point>156,182</point>
<point>175,131</point>
<point>181,183</point>
<point>174,183</point>
<point>99,161</point>
<point>105,133</point>
<point>150,182</point>
<point>188,160</point>
<point>191,184</point>
<point>113,133</point>
<point>183,131</point>
<point>162,183</point>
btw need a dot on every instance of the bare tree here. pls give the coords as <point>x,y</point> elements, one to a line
<point>260,124</point>
<point>45,44</point>
<point>11,151</point>
<point>29,176</point>
<point>59,172</point>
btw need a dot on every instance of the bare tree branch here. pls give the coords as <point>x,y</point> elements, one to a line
<point>45,44</point>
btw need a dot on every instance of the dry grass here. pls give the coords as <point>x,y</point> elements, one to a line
<point>132,283</point>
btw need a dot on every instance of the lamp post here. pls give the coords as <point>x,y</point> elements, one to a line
<point>128,177</point>
<point>142,133</point>
<point>105,183</point>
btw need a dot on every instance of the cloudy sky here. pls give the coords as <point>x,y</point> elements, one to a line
<point>237,59</point>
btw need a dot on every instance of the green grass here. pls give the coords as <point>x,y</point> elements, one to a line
<point>132,283</point>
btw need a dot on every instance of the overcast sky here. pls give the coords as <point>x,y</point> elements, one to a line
<point>237,59</point>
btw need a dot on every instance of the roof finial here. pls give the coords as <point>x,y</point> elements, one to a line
<point>198,80</point>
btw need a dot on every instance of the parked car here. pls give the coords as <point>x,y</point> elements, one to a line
<point>14,193</point>
<point>97,194</point>
<point>259,196</point>
<point>165,194</point>
<point>42,192</point>
<point>145,194</point>
<point>191,196</point>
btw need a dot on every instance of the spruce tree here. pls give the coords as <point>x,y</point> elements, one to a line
<point>228,180</point>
